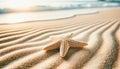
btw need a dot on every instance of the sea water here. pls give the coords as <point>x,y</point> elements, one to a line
<point>52,10</point>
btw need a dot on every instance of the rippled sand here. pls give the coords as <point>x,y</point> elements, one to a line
<point>21,44</point>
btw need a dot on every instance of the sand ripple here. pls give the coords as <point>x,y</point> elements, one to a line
<point>21,44</point>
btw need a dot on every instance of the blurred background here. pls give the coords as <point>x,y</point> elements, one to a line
<point>15,11</point>
<point>7,6</point>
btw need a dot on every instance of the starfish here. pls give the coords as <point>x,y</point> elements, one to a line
<point>64,43</point>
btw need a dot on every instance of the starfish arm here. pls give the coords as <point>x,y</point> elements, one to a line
<point>70,36</point>
<point>64,47</point>
<point>74,43</point>
<point>55,38</point>
<point>53,45</point>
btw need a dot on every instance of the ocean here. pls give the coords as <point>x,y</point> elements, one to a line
<point>54,10</point>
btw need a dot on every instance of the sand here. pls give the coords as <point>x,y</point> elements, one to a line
<point>21,44</point>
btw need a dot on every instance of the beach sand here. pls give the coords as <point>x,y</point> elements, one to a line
<point>21,44</point>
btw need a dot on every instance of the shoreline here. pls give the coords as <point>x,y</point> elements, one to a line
<point>47,20</point>
<point>76,13</point>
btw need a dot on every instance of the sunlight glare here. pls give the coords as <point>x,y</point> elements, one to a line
<point>19,4</point>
